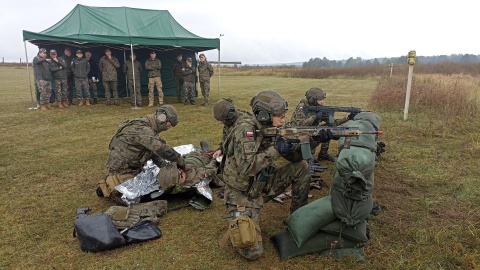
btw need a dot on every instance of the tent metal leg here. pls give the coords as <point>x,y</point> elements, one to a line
<point>29,77</point>
<point>134,81</point>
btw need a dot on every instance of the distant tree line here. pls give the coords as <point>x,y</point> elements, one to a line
<point>358,61</point>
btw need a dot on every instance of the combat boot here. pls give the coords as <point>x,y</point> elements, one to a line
<point>95,102</point>
<point>65,104</point>
<point>43,108</point>
<point>116,103</point>
<point>87,102</point>
<point>48,106</point>
<point>107,102</point>
<point>80,103</point>
<point>60,105</point>
<point>204,147</point>
<point>150,103</point>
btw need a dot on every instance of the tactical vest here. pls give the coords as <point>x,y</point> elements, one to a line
<point>125,217</point>
<point>231,176</point>
<point>135,155</point>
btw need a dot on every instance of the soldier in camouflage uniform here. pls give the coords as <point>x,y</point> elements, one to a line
<point>92,77</point>
<point>80,69</point>
<point>153,66</point>
<point>135,142</point>
<point>135,94</point>
<point>58,67</point>
<point>205,71</point>
<point>177,74</point>
<point>189,82</point>
<point>41,70</point>
<point>67,57</point>
<point>315,97</point>
<point>250,177</point>
<point>108,65</point>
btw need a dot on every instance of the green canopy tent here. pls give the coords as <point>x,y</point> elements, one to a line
<point>124,29</point>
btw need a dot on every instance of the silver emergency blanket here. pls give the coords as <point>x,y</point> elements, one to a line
<point>146,182</point>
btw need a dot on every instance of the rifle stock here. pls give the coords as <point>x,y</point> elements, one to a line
<point>302,135</point>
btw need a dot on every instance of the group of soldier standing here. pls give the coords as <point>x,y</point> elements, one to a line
<point>248,170</point>
<point>67,71</point>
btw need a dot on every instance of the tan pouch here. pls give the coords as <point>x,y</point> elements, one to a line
<point>242,232</point>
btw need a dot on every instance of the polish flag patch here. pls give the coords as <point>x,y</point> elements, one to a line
<point>249,133</point>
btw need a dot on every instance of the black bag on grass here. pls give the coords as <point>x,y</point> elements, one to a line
<point>96,232</point>
<point>141,232</point>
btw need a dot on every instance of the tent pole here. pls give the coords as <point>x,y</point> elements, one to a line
<point>218,72</point>
<point>134,82</point>
<point>29,77</point>
<point>125,60</point>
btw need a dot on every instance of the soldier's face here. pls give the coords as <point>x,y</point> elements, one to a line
<point>202,58</point>
<point>67,53</point>
<point>278,120</point>
<point>108,53</point>
<point>179,58</point>
<point>320,101</point>
<point>42,54</point>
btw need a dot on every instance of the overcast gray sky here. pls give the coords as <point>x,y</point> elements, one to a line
<point>269,32</point>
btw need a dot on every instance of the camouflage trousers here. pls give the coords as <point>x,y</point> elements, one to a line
<point>110,85</point>
<point>70,80</point>
<point>45,89</point>
<point>256,251</point>
<point>62,89</point>
<point>178,87</point>
<point>152,82</point>
<point>296,174</point>
<point>189,91</point>
<point>93,89</point>
<point>82,83</point>
<point>135,94</point>
<point>205,86</point>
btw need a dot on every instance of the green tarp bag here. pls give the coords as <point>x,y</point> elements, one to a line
<point>287,248</point>
<point>357,234</point>
<point>356,254</point>
<point>309,219</point>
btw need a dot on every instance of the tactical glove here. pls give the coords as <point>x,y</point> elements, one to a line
<point>181,163</point>
<point>351,116</point>
<point>283,146</point>
<point>324,135</point>
<point>319,116</point>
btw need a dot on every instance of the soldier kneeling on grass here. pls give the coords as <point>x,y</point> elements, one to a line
<point>135,142</point>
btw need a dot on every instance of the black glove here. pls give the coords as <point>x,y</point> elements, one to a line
<point>351,116</point>
<point>283,146</point>
<point>319,116</point>
<point>181,164</point>
<point>324,135</point>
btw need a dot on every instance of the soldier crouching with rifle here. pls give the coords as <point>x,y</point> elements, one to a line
<point>135,142</point>
<point>315,97</point>
<point>250,177</point>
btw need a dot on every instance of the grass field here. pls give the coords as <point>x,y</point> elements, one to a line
<point>50,162</point>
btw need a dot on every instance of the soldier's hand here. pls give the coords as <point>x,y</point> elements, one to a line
<point>181,163</point>
<point>283,146</point>
<point>319,115</point>
<point>324,135</point>
<point>48,60</point>
<point>217,153</point>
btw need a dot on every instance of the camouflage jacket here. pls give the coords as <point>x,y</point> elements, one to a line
<point>127,69</point>
<point>153,67</point>
<point>205,71</point>
<point>108,67</point>
<point>228,129</point>
<point>134,143</point>
<point>300,119</point>
<point>188,74</point>
<point>68,60</point>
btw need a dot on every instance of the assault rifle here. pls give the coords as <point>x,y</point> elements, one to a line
<point>329,111</point>
<point>302,135</point>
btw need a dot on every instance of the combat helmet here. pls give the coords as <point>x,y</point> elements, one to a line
<point>315,94</point>
<point>224,111</point>
<point>267,104</point>
<point>165,113</point>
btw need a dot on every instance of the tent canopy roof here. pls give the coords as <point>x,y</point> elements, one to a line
<point>86,25</point>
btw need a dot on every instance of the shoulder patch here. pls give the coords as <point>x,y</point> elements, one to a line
<point>249,147</point>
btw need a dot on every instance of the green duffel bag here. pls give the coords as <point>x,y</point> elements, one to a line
<point>287,248</point>
<point>308,219</point>
<point>357,234</point>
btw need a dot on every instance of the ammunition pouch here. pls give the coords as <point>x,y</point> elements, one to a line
<point>108,185</point>
<point>242,231</point>
<point>259,182</point>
